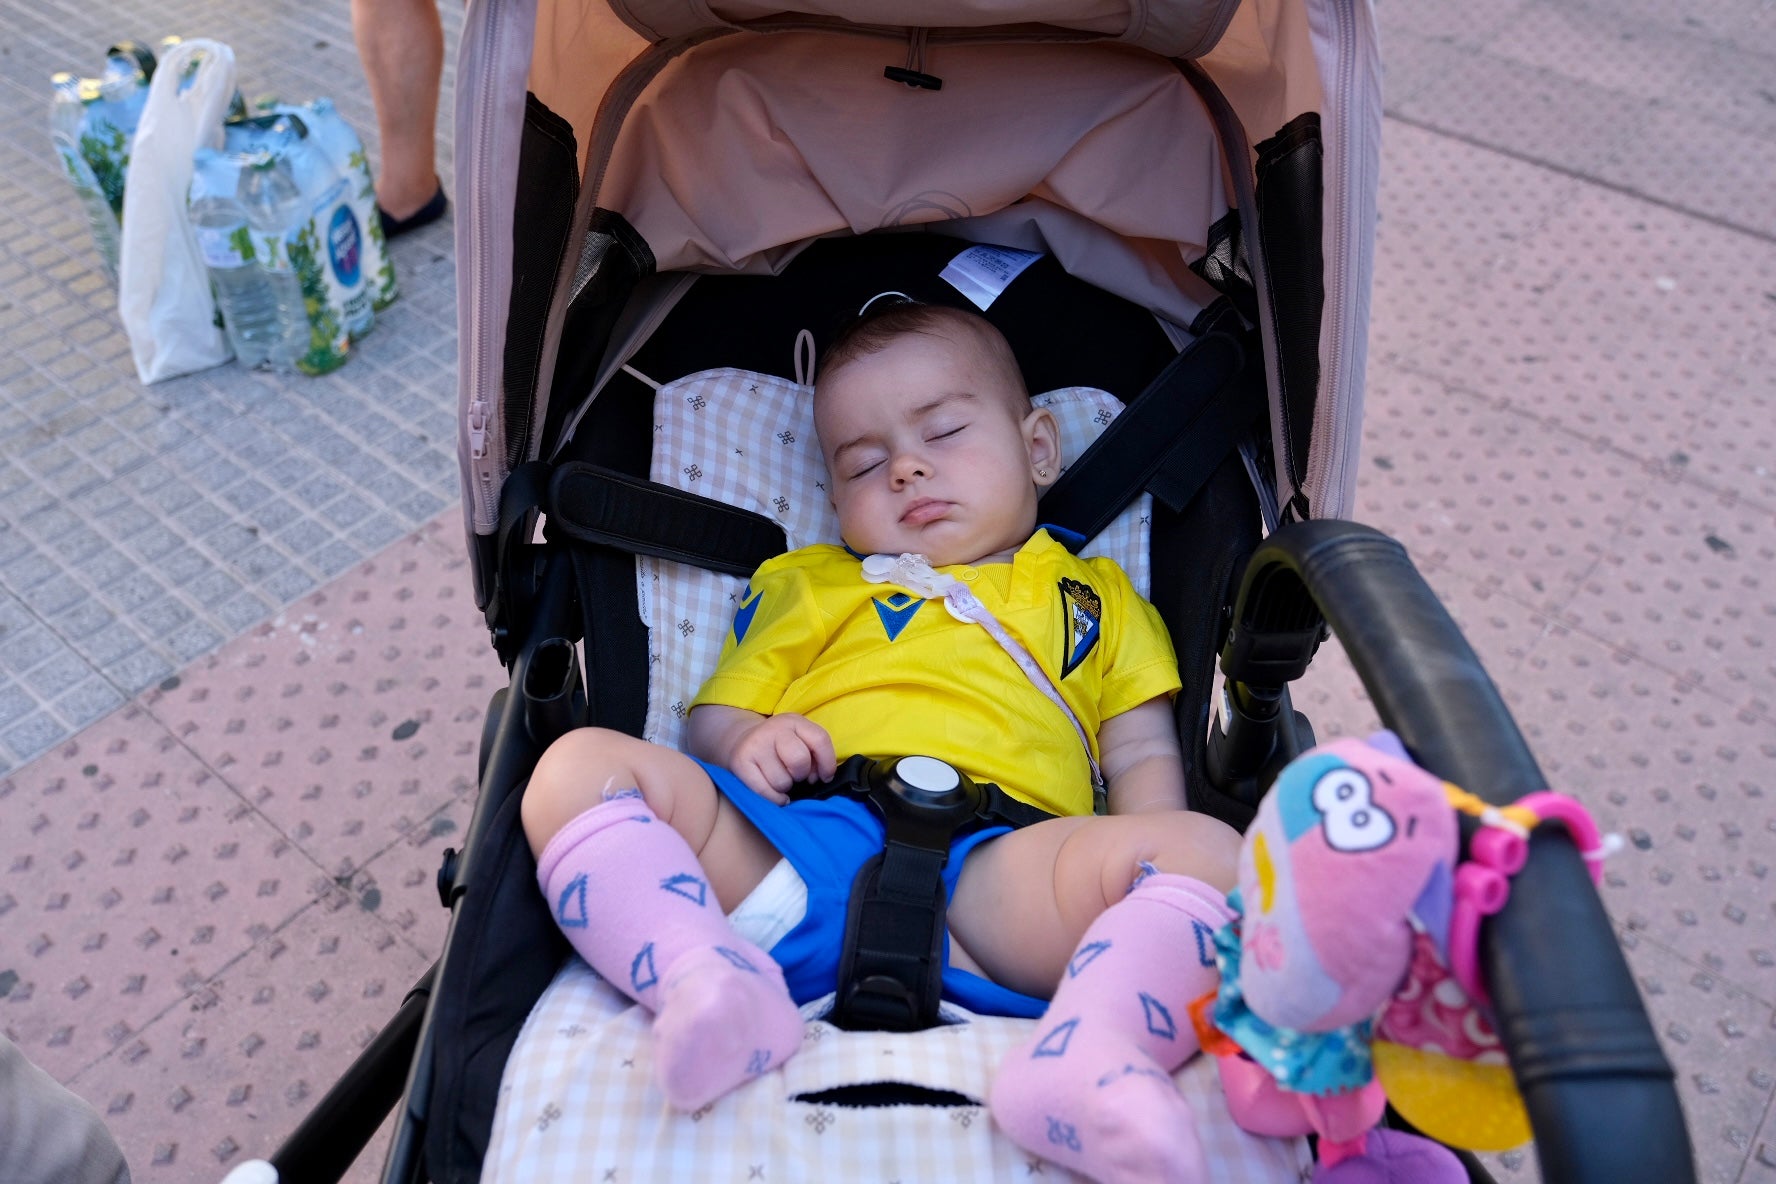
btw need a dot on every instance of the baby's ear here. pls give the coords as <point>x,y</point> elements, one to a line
<point>1042,437</point>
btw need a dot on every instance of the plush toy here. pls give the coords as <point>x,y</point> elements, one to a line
<point>1350,976</point>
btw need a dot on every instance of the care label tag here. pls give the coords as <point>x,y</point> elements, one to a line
<point>983,273</point>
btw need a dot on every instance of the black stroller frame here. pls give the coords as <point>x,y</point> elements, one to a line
<point>1248,606</point>
<point>1598,1089</point>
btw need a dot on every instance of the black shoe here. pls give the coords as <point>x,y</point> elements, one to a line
<point>424,216</point>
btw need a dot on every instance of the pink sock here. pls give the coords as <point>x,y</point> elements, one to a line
<point>631,898</point>
<point>1092,1090</point>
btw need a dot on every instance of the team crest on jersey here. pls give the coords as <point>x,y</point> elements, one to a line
<point>1081,616</point>
<point>749,606</point>
<point>896,612</point>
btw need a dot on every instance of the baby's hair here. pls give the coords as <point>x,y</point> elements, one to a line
<point>892,316</point>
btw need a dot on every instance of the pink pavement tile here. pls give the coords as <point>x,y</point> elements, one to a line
<point>1487,491</point>
<point>401,884</point>
<point>1600,46</point>
<point>227,1075</point>
<point>352,718</point>
<point>1732,444</point>
<point>132,873</point>
<point>1452,217</point>
<point>1610,321</point>
<point>1722,1043</point>
<point>1690,585</point>
<point>1687,782</point>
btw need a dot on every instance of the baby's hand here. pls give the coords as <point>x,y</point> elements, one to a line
<point>781,751</point>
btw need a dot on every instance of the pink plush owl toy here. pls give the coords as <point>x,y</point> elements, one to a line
<point>1345,883</point>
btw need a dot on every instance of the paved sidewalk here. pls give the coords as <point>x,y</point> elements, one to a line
<point>241,678</point>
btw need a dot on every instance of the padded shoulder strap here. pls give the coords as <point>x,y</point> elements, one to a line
<point>1168,440</point>
<point>592,504</point>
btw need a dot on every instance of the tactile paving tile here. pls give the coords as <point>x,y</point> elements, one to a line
<point>228,1073</point>
<point>352,719</point>
<point>1732,444</point>
<point>1488,491</point>
<point>1686,781</point>
<point>1690,585</point>
<point>132,875</point>
<point>1722,1042</point>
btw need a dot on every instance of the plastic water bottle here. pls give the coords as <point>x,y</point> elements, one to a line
<point>67,117</point>
<point>242,206</point>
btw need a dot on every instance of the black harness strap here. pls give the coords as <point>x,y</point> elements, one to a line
<point>592,504</point>
<point>1169,440</point>
<point>891,966</point>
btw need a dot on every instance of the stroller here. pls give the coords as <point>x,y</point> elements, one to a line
<point>1171,202</point>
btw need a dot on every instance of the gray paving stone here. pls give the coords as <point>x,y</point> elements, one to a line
<point>13,544</point>
<point>137,671</point>
<point>24,648</point>
<point>241,612</point>
<point>29,570</point>
<point>346,511</point>
<point>135,591</point>
<point>304,536</point>
<point>335,558</point>
<point>213,587</point>
<point>87,702</point>
<point>52,597</point>
<point>109,645</point>
<point>64,669</point>
<point>15,702</point>
<point>32,735</point>
<point>192,641</point>
<point>162,616</point>
<point>203,518</point>
<point>275,514</point>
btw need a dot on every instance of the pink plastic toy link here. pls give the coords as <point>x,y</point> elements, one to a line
<point>1499,851</point>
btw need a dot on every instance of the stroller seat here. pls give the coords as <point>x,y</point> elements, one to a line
<point>578,1098</point>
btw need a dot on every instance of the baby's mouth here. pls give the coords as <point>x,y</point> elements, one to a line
<point>925,509</point>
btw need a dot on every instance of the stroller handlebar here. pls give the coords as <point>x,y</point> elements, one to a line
<point>1600,1093</point>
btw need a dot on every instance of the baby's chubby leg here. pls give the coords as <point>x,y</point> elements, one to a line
<point>618,827</point>
<point>1113,917</point>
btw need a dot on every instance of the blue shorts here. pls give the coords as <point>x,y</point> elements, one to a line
<point>827,842</point>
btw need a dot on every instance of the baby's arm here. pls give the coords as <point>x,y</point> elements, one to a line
<point>769,753</point>
<point>1142,762</point>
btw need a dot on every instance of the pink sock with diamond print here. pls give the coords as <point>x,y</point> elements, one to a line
<point>1092,1089</point>
<point>628,893</point>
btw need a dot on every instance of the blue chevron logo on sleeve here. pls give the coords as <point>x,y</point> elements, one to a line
<point>749,606</point>
<point>896,612</point>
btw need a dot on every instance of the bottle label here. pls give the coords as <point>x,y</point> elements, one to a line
<point>225,247</point>
<point>345,245</point>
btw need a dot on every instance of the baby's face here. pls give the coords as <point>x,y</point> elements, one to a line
<point>932,448</point>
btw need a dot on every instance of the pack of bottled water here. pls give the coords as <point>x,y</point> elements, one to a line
<point>93,122</point>
<point>284,211</point>
<point>279,228</point>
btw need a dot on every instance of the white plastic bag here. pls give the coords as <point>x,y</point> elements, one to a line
<point>163,291</point>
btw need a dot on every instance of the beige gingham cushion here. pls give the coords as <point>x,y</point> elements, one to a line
<point>578,1103</point>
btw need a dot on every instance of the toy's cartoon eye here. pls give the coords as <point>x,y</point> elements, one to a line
<point>1353,822</point>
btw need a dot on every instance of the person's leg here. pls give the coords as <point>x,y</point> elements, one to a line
<point>1095,912</point>
<point>401,46</point>
<point>618,827</point>
<point>1024,900</point>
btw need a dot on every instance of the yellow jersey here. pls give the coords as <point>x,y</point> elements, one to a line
<point>887,673</point>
